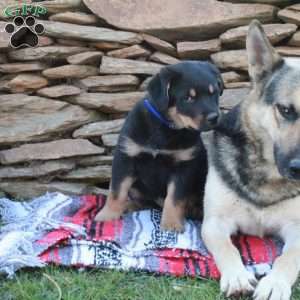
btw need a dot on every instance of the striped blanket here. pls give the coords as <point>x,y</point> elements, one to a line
<point>59,229</point>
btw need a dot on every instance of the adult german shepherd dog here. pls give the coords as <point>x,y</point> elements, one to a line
<point>253,183</point>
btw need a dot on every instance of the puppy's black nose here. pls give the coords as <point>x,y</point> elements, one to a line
<point>213,118</point>
<point>294,167</point>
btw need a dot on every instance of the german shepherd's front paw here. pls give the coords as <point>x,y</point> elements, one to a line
<point>172,225</point>
<point>273,287</point>
<point>237,282</point>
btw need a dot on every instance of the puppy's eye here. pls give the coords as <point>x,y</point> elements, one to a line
<point>287,112</point>
<point>189,99</point>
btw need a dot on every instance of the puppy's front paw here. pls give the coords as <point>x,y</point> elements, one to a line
<point>237,282</point>
<point>107,214</point>
<point>273,287</point>
<point>172,225</point>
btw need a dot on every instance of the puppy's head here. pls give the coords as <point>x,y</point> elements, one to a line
<point>188,94</point>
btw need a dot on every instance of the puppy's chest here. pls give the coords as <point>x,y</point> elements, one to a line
<point>151,151</point>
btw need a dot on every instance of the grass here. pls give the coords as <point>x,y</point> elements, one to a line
<point>102,285</point>
<point>53,283</point>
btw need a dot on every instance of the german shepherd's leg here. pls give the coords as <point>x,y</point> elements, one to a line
<point>122,180</point>
<point>235,279</point>
<point>278,283</point>
<point>173,211</point>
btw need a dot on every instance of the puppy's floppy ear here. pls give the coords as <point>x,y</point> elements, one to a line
<point>159,86</point>
<point>217,73</point>
<point>262,57</point>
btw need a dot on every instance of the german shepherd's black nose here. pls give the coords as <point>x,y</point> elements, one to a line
<point>294,167</point>
<point>213,118</point>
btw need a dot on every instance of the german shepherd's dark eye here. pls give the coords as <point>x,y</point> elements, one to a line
<point>287,112</point>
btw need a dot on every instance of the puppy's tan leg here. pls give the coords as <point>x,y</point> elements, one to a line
<point>116,202</point>
<point>278,283</point>
<point>235,279</point>
<point>173,212</point>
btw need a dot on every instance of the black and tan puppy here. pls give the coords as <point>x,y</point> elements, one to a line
<point>160,155</point>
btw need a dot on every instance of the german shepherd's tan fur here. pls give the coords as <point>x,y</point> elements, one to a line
<point>253,182</point>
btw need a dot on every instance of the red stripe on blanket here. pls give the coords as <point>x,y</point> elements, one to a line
<point>259,250</point>
<point>177,262</point>
<point>54,237</point>
<point>175,267</point>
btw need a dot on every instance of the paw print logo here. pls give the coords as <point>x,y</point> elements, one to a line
<point>24,32</point>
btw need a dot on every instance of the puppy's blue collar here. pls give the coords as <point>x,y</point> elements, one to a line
<point>157,114</point>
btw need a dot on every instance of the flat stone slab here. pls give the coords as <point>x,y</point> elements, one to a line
<point>232,76</point>
<point>107,46</point>
<point>52,52</point>
<point>110,140</point>
<point>49,150</point>
<point>98,174</point>
<point>45,41</point>
<point>238,85</point>
<point>159,44</point>
<point>73,42</point>
<point>288,51</point>
<point>294,40</point>
<point>89,33</point>
<point>33,188</point>
<point>163,58</point>
<point>177,20</point>
<point>231,60</point>
<point>3,58</point>
<point>57,91</point>
<point>37,170</point>
<point>273,2</point>
<point>198,50</point>
<point>27,82</point>
<point>86,58</point>
<point>111,65</point>
<point>70,71</point>
<point>57,6</point>
<point>32,118</point>
<point>79,18</point>
<point>4,36</point>
<point>109,83</point>
<point>21,67</point>
<point>236,38</point>
<point>108,102</point>
<point>130,52</point>
<point>99,128</point>
<point>290,14</point>
<point>95,160</point>
<point>4,87</point>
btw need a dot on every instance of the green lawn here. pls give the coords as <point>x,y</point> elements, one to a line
<point>50,283</point>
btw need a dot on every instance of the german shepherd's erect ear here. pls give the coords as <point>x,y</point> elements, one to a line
<point>262,57</point>
<point>159,86</point>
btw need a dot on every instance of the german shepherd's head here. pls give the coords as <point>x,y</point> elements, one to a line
<point>273,108</point>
